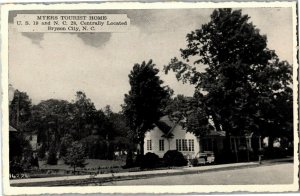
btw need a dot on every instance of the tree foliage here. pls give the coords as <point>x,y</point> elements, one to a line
<point>20,110</point>
<point>191,113</point>
<point>58,123</point>
<point>179,107</point>
<point>20,149</point>
<point>51,119</point>
<point>245,86</point>
<point>144,104</point>
<point>82,115</point>
<point>66,141</point>
<point>75,156</point>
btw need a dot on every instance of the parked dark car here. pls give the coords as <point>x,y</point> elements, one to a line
<point>206,157</point>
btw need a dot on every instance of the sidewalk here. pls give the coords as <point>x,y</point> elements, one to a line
<point>84,179</point>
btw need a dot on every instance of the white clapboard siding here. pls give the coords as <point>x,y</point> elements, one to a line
<point>179,133</point>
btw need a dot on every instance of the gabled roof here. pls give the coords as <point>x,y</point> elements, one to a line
<point>166,125</point>
<point>165,119</point>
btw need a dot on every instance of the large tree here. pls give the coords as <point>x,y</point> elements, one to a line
<point>245,87</point>
<point>198,120</point>
<point>52,120</point>
<point>20,110</point>
<point>145,101</point>
<point>83,115</point>
<point>19,118</point>
<point>179,107</point>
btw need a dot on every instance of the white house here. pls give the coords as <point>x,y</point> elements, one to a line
<point>167,135</point>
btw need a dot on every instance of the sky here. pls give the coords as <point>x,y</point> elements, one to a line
<point>56,65</point>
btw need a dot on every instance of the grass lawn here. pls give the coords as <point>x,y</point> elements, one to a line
<point>93,164</point>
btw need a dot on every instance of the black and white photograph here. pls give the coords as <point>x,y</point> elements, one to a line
<point>129,97</point>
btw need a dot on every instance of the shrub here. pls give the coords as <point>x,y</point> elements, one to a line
<point>275,153</point>
<point>150,160</point>
<point>138,160</point>
<point>174,158</point>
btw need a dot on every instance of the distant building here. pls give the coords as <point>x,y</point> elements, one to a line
<point>29,136</point>
<point>213,141</point>
<point>32,138</point>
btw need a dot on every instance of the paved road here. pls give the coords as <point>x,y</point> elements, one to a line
<point>268,174</point>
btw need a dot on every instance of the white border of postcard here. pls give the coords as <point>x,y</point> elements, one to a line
<point>8,190</point>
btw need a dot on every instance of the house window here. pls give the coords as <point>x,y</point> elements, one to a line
<point>191,145</point>
<point>149,145</point>
<point>184,145</point>
<point>179,144</point>
<point>161,145</point>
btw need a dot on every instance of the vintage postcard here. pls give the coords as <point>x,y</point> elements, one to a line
<point>149,97</point>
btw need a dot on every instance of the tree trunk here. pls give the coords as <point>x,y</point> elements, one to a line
<point>200,145</point>
<point>74,169</point>
<point>248,147</point>
<point>271,142</point>
<point>48,137</point>
<point>216,122</point>
<point>129,158</point>
<point>142,146</point>
<point>235,150</point>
